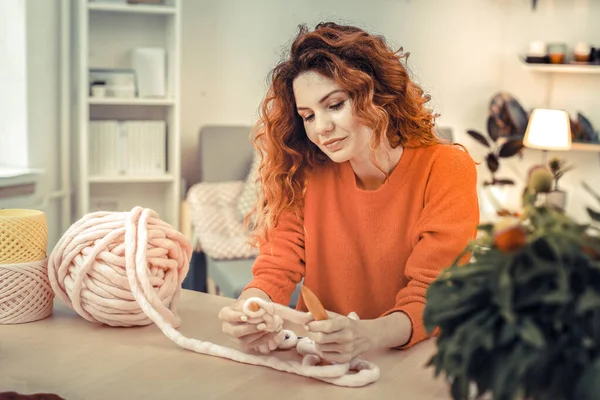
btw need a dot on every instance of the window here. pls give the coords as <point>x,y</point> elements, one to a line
<point>13,85</point>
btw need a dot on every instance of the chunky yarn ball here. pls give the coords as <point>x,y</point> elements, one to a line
<point>106,257</point>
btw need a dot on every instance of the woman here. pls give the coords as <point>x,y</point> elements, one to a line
<point>359,197</point>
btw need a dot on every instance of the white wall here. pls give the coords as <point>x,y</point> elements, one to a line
<point>230,46</point>
<point>462,52</point>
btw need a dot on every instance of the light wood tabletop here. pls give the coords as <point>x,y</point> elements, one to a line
<point>78,360</point>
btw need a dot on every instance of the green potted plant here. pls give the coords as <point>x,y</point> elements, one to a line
<point>521,320</point>
<point>497,149</point>
<point>557,197</point>
<point>497,190</point>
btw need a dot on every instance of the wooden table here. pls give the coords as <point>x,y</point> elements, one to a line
<point>69,356</point>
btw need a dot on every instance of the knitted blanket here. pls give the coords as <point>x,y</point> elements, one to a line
<point>216,222</point>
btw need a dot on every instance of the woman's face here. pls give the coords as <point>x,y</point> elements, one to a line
<point>328,120</point>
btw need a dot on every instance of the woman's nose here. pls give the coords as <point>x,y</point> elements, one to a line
<point>323,124</point>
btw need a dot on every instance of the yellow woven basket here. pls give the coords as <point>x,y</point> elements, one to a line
<point>25,291</point>
<point>23,236</point>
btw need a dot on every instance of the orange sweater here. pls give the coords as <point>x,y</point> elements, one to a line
<point>375,252</point>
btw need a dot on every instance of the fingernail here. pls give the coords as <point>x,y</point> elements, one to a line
<point>307,327</point>
<point>244,318</point>
<point>261,326</point>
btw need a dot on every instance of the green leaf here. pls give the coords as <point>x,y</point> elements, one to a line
<point>510,148</point>
<point>542,249</point>
<point>589,300</point>
<point>504,182</point>
<point>493,129</point>
<point>505,293</point>
<point>460,388</point>
<point>595,325</point>
<point>506,384</point>
<point>542,270</point>
<point>595,215</point>
<point>449,304</point>
<point>508,333</point>
<point>484,374</point>
<point>467,271</point>
<point>492,162</point>
<point>562,278</point>
<point>559,298</point>
<point>478,137</point>
<point>531,295</point>
<point>562,381</point>
<point>588,385</point>
<point>530,333</point>
<point>436,317</point>
<point>591,191</point>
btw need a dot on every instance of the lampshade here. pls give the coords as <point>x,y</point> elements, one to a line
<point>548,130</point>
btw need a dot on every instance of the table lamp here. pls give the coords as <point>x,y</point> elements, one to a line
<point>548,130</point>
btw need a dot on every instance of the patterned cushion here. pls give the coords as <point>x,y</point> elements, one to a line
<point>250,192</point>
<point>214,215</point>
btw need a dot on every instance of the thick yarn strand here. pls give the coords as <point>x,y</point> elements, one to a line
<point>126,269</point>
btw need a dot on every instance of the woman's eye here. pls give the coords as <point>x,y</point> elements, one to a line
<point>308,118</point>
<point>336,106</point>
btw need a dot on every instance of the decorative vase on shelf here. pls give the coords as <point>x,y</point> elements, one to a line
<point>556,199</point>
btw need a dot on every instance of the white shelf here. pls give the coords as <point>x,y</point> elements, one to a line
<point>131,179</point>
<point>573,68</point>
<point>114,101</point>
<point>131,8</point>
<point>585,147</point>
<point>562,68</point>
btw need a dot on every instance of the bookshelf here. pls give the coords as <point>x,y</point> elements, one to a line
<point>105,34</point>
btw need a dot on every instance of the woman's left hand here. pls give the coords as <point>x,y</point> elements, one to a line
<point>339,339</point>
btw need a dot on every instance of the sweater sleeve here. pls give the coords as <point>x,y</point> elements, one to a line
<point>447,224</point>
<point>279,266</point>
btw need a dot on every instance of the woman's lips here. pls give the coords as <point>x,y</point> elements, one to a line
<point>334,145</point>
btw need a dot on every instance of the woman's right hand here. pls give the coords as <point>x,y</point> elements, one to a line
<point>234,324</point>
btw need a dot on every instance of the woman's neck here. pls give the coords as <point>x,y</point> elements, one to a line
<point>368,176</point>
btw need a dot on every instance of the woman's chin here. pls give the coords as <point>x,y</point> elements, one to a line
<point>338,157</point>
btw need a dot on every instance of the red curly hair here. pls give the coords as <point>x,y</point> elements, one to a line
<point>383,98</point>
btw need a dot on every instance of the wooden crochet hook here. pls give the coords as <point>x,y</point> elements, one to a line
<point>313,304</point>
<point>315,308</point>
